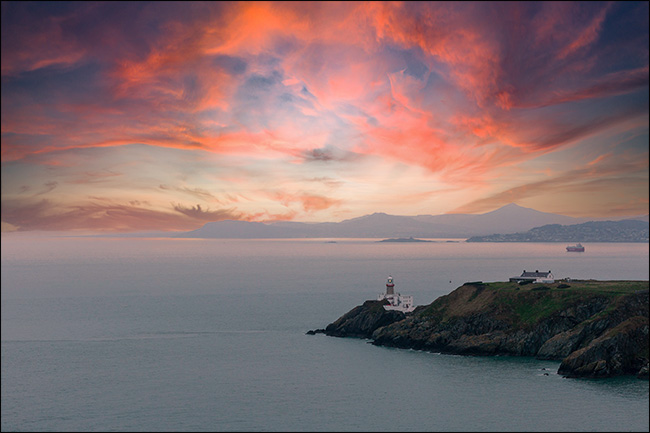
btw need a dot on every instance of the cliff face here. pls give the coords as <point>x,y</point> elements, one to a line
<point>363,320</point>
<point>597,329</point>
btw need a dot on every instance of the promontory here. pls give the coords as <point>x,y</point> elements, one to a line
<point>595,328</point>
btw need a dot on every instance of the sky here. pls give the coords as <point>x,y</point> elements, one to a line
<point>145,116</point>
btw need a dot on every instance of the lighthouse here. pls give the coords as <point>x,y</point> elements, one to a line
<point>390,286</point>
<point>396,301</point>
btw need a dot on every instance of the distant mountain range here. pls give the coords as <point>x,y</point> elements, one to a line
<point>508,219</point>
<point>592,231</point>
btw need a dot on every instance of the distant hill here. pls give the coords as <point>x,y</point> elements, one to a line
<point>592,231</point>
<point>508,219</point>
<point>240,229</point>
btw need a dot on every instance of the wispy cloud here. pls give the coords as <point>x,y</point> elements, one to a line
<point>105,215</point>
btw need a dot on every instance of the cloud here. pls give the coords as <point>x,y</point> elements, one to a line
<point>93,177</point>
<point>284,92</point>
<point>49,186</point>
<point>319,155</point>
<point>309,202</point>
<point>196,192</point>
<point>599,177</point>
<point>102,215</point>
<point>197,213</point>
<point>586,35</point>
<point>234,59</point>
<point>615,83</point>
<point>561,135</point>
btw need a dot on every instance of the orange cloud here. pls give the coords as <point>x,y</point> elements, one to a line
<point>568,189</point>
<point>310,202</point>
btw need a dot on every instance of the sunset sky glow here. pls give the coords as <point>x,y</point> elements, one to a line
<point>139,116</point>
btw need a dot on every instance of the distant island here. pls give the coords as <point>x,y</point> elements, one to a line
<point>410,239</point>
<point>592,231</point>
<point>595,328</point>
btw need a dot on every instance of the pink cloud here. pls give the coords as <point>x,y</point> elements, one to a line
<point>462,90</point>
<point>309,202</point>
<point>586,35</point>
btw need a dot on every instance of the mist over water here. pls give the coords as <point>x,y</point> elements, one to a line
<point>104,334</point>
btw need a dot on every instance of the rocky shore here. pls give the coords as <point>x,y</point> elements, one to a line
<point>595,328</point>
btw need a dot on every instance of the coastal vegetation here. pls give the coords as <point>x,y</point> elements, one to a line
<point>529,305</point>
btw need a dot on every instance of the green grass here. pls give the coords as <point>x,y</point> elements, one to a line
<point>531,307</point>
<point>594,286</point>
<point>538,301</point>
<point>526,303</point>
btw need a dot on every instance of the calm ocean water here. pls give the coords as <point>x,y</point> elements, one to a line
<point>105,334</point>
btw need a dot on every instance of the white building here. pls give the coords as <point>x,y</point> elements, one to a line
<point>396,300</point>
<point>535,277</point>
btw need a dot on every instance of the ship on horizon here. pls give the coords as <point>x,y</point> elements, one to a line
<point>576,248</point>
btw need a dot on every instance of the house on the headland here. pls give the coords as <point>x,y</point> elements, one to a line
<point>534,277</point>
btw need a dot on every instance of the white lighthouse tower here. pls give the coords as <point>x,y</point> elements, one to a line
<point>395,300</point>
<point>390,286</point>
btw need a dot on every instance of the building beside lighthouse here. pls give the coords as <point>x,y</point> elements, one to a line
<point>395,300</point>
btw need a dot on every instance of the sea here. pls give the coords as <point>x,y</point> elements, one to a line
<point>161,334</point>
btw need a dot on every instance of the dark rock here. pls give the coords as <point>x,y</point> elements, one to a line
<point>363,320</point>
<point>617,352</point>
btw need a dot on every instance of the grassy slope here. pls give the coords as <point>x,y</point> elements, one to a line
<point>523,305</point>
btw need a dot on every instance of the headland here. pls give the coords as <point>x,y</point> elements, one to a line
<point>595,328</point>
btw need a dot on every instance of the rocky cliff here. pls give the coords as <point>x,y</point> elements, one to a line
<point>596,328</point>
<point>362,321</point>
